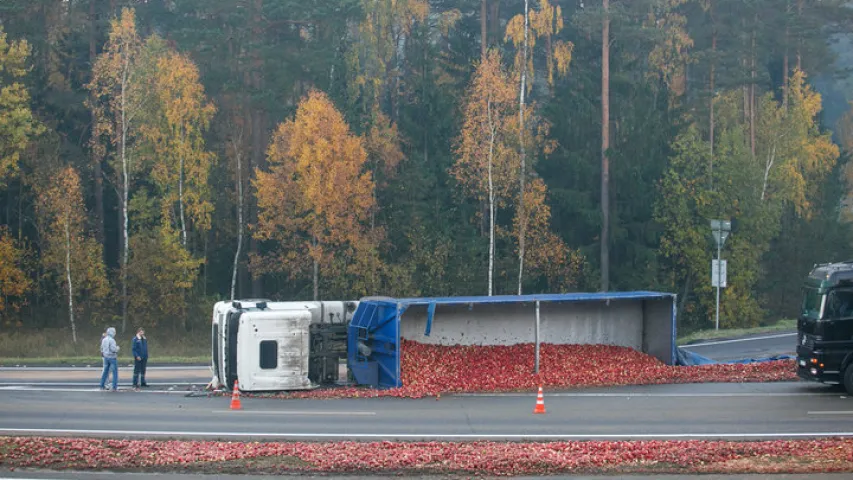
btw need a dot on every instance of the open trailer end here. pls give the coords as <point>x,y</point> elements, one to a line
<point>274,346</point>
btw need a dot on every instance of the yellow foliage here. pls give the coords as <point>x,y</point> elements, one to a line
<point>181,164</point>
<point>544,23</point>
<point>62,227</point>
<point>670,56</point>
<point>486,139</point>
<point>316,200</point>
<point>17,124</point>
<point>116,93</point>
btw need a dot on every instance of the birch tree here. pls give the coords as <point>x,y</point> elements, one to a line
<point>316,201</point>
<point>484,148</point>
<point>70,253</point>
<point>181,163</point>
<point>118,96</point>
<point>545,22</point>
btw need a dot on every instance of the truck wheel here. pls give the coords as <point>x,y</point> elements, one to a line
<point>848,379</point>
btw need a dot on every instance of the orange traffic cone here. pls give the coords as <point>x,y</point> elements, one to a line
<point>235,398</point>
<point>540,402</point>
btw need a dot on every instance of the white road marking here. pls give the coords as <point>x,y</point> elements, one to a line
<point>291,412</point>
<point>432,436</point>
<point>831,413</point>
<point>20,368</point>
<point>83,384</point>
<point>22,388</point>
<point>36,388</point>
<point>722,342</point>
<point>655,395</point>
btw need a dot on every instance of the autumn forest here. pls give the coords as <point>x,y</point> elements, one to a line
<point>157,156</point>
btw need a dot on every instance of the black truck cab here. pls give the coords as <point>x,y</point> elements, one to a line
<point>825,326</point>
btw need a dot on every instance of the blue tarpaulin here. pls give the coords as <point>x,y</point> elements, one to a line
<point>686,358</point>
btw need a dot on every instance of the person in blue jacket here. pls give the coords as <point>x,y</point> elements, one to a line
<point>140,358</point>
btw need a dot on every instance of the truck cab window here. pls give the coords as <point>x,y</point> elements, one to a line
<point>839,305</point>
<point>811,303</point>
<point>269,355</point>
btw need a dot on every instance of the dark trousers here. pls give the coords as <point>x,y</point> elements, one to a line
<point>139,371</point>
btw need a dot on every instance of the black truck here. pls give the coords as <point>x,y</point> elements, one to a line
<point>825,326</point>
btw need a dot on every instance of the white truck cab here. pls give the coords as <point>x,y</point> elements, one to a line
<point>273,346</point>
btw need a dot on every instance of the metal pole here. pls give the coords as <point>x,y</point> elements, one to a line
<point>719,274</point>
<point>536,333</point>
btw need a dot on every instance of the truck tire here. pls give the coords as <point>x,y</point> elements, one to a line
<point>848,379</point>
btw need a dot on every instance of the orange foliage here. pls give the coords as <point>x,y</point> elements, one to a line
<point>14,282</point>
<point>316,200</point>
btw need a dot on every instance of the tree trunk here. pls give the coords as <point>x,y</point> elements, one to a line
<point>785,59</point>
<point>258,143</point>
<point>181,202</point>
<point>492,134</point>
<point>100,231</point>
<point>522,136</point>
<point>68,279</point>
<point>605,145</point>
<point>713,95</point>
<point>495,17</point>
<point>785,79</point>
<point>239,184</point>
<point>744,62</point>
<point>752,92</point>
<point>124,193</point>
<point>316,275</point>
<point>800,37</point>
<point>484,37</point>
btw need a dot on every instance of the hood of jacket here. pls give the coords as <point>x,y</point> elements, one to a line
<point>111,332</point>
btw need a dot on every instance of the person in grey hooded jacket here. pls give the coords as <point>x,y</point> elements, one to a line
<point>109,350</point>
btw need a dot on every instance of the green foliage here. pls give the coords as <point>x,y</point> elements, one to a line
<point>161,275</point>
<point>17,124</point>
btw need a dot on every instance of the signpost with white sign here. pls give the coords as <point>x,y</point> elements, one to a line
<point>718,273</point>
<point>720,229</point>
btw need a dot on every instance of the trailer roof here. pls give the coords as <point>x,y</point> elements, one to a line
<point>547,297</point>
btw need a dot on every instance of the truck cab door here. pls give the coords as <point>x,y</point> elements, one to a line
<point>273,350</point>
<point>837,332</point>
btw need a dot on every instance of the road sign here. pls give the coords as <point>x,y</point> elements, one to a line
<point>720,230</point>
<point>718,273</point>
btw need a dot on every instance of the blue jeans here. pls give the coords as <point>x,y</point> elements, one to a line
<point>110,364</point>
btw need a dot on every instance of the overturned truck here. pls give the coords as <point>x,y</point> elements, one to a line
<point>273,346</point>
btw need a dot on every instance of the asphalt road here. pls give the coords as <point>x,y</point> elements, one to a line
<point>733,411</point>
<point>181,377</point>
<point>753,346</point>
<point>65,401</point>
